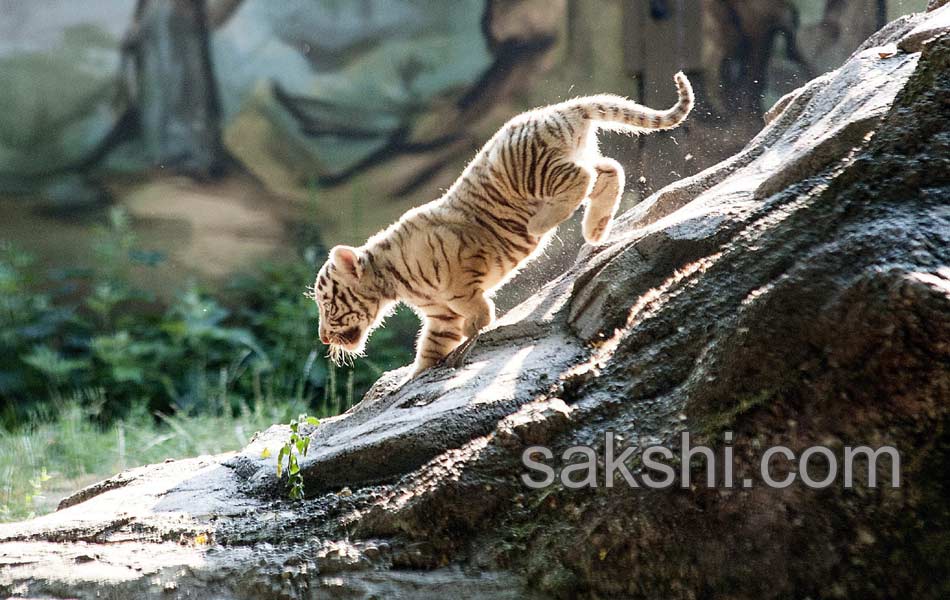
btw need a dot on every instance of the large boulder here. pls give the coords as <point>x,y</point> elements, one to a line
<point>60,71</point>
<point>797,294</point>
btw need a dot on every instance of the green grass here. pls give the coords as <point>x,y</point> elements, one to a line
<point>98,375</point>
<point>67,449</point>
<point>63,330</point>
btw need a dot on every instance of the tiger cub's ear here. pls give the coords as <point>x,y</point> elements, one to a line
<point>347,259</point>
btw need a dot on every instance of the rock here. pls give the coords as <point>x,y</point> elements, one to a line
<point>351,77</point>
<point>396,429</point>
<point>796,294</point>
<point>534,424</point>
<point>932,28</point>
<point>59,71</point>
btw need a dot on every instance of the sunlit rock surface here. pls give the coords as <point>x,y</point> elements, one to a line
<point>796,294</point>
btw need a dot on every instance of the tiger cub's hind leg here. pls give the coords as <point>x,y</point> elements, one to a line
<point>604,199</point>
<point>478,311</point>
<point>563,187</point>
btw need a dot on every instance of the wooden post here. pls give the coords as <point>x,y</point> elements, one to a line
<point>662,37</point>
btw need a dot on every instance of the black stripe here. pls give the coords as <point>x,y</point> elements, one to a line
<point>528,151</point>
<point>567,124</point>
<point>532,167</point>
<point>554,173</point>
<point>506,244</point>
<point>442,248</point>
<point>445,318</point>
<point>447,334</point>
<point>435,263</point>
<point>423,275</point>
<point>399,278</point>
<point>496,196</point>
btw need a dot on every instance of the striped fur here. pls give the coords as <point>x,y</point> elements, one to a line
<point>447,257</point>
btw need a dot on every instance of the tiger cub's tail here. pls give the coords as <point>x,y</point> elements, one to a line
<point>610,110</point>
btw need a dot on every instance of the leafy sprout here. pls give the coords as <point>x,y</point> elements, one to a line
<point>297,445</point>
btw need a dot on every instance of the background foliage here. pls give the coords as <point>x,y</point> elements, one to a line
<point>69,330</point>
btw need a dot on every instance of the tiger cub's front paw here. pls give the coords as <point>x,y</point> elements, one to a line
<point>596,231</point>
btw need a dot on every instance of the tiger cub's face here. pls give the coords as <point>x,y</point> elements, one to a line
<point>348,312</point>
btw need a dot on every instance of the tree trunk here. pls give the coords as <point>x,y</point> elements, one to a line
<point>175,91</point>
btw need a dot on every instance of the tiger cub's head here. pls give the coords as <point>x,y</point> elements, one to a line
<point>349,307</point>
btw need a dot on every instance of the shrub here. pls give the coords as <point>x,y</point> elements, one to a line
<point>255,341</point>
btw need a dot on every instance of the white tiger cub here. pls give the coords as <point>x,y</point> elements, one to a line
<point>447,257</point>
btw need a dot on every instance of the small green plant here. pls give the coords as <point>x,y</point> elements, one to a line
<point>26,504</point>
<point>66,446</point>
<point>297,445</point>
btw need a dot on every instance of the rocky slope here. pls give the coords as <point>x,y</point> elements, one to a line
<point>795,294</point>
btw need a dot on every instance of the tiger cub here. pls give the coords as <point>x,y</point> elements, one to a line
<point>447,257</point>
